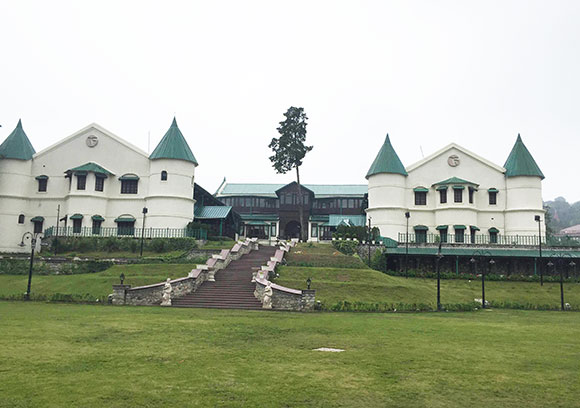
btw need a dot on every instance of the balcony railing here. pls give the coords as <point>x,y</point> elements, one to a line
<point>481,239</point>
<point>125,232</point>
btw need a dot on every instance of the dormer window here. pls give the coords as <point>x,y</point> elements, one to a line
<point>81,181</point>
<point>471,191</point>
<point>42,183</point>
<point>442,194</point>
<point>163,175</point>
<point>420,195</point>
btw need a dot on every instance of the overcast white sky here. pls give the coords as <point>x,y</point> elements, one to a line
<point>427,72</point>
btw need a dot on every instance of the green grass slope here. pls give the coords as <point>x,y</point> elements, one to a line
<point>97,285</point>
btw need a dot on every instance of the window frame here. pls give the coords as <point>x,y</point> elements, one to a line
<point>127,186</point>
<point>420,197</point>
<point>163,175</point>
<point>457,195</point>
<point>99,184</point>
<point>492,197</point>
<point>81,186</point>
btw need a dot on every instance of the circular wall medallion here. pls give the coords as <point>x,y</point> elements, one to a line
<point>92,141</point>
<point>453,160</point>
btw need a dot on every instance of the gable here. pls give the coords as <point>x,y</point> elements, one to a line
<point>454,149</point>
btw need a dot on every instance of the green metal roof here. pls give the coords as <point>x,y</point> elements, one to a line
<point>454,180</point>
<point>493,190</point>
<point>421,228</point>
<point>334,220</point>
<point>212,212</point>
<point>269,190</point>
<point>92,167</point>
<point>173,146</point>
<point>319,218</point>
<point>125,219</point>
<point>520,162</point>
<point>17,146</point>
<point>37,219</point>
<point>76,217</point>
<point>421,190</point>
<point>259,217</point>
<point>129,177</point>
<point>97,218</point>
<point>442,227</point>
<point>494,252</point>
<point>387,161</point>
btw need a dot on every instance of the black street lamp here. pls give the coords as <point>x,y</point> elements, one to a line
<point>480,254</point>
<point>407,216</point>
<point>369,242</point>
<point>559,259</point>
<point>538,220</point>
<point>145,210</point>
<point>33,238</point>
<point>439,256</point>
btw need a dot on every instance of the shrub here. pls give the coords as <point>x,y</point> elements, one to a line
<point>346,247</point>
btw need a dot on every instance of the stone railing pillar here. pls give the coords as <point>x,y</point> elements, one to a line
<point>120,294</point>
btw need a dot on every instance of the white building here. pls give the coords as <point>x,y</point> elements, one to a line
<point>456,196</point>
<point>99,181</point>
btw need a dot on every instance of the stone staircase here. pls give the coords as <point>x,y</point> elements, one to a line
<point>233,287</point>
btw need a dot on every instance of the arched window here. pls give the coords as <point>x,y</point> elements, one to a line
<point>21,219</point>
<point>163,175</point>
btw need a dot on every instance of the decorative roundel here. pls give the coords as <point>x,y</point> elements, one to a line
<point>92,141</point>
<point>453,160</point>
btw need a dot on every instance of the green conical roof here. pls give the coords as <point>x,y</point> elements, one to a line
<point>387,161</point>
<point>173,146</point>
<point>17,145</point>
<point>520,162</point>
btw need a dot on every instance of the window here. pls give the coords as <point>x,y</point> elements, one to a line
<point>458,195</point>
<point>305,198</point>
<point>38,227</point>
<point>163,175</point>
<point>273,230</point>
<point>81,181</point>
<point>473,236</point>
<point>314,232</point>
<point>42,183</point>
<point>344,203</point>
<point>443,235</point>
<point>99,183</point>
<point>129,186</point>
<point>471,195</point>
<point>248,201</point>
<point>77,226</point>
<point>492,197</point>
<point>351,203</point>
<point>421,236</point>
<point>21,219</point>
<point>493,237</point>
<point>97,227</point>
<point>125,227</point>
<point>443,196</point>
<point>459,235</point>
<point>420,198</point>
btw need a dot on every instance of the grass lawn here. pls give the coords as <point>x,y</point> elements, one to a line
<point>218,245</point>
<point>367,285</point>
<point>57,355</point>
<point>96,284</point>
<point>321,255</point>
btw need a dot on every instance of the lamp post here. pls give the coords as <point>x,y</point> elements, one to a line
<point>32,238</point>
<point>480,254</point>
<point>439,256</point>
<point>538,220</point>
<point>559,260</point>
<point>369,242</point>
<point>145,210</point>
<point>57,225</point>
<point>407,216</point>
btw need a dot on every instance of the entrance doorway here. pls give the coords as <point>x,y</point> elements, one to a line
<point>292,230</point>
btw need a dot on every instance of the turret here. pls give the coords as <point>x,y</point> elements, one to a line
<point>386,178</point>
<point>15,183</point>
<point>524,192</point>
<point>172,170</point>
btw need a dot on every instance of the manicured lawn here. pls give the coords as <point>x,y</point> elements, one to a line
<point>58,355</point>
<point>96,284</point>
<point>321,255</point>
<point>366,285</point>
<point>218,245</point>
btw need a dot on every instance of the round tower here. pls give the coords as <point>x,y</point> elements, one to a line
<point>16,184</point>
<point>171,178</point>
<point>386,192</point>
<point>523,192</point>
